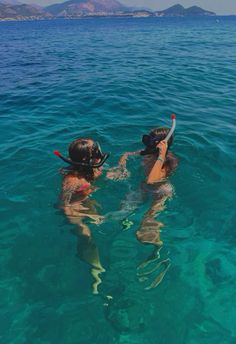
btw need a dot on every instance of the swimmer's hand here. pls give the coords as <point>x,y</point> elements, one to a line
<point>162,146</point>
<point>97,219</point>
<point>118,173</point>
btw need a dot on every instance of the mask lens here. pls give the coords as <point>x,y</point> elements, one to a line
<point>97,152</point>
<point>149,140</point>
<point>146,140</point>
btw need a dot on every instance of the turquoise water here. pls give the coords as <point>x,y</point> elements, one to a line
<point>113,80</point>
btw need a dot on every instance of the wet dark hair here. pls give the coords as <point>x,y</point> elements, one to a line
<point>153,138</point>
<point>161,134</point>
<point>82,150</point>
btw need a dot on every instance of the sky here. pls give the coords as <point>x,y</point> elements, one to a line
<point>221,7</point>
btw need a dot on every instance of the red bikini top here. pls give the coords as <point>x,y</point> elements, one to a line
<point>83,187</point>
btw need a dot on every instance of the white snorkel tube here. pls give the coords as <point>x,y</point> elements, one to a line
<point>173,117</point>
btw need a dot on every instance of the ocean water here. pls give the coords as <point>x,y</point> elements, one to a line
<point>114,80</point>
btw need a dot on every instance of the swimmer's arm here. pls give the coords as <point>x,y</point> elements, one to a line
<point>157,172</point>
<point>123,160</point>
<point>120,172</point>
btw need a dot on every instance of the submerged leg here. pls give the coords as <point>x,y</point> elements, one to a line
<point>86,247</point>
<point>149,233</point>
<point>88,252</point>
<point>152,258</point>
<point>150,228</point>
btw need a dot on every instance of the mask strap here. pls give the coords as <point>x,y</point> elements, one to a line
<point>83,164</point>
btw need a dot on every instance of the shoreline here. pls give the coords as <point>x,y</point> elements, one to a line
<point>108,16</point>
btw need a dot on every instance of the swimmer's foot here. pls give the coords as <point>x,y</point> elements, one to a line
<point>148,272</point>
<point>154,257</point>
<point>143,275</point>
<point>95,272</point>
<point>160,277</point>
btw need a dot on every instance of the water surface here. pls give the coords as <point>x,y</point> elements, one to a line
<point>114,80</point>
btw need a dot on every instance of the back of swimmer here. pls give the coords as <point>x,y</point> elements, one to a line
<point>85,160</point>
<point>158,163</point>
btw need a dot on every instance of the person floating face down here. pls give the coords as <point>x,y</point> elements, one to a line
<point>158,163</point>
<point>85,165</point>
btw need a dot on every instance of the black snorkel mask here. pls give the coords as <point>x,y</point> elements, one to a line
<point>151,140</point>
<point>95,155</point>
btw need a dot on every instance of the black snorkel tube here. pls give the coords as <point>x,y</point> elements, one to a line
<point>82,164</point>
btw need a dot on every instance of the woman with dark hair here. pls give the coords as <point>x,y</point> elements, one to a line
<point>158,163</point>
<point>85,165</point>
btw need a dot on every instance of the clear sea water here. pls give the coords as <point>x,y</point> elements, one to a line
<point>114,80</point>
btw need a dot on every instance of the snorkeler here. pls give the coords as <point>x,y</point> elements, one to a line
<point>158,163</point>
<point>85,165</point>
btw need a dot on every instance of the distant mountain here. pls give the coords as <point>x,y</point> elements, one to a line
<point>176,10</point>
<point>19,12</point>
<point>198,11</point>
<point>82,7</point>
<point>179,10</point>
<point>77,8</point>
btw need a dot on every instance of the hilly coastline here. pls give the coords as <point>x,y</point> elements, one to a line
<point>179,10</point>
<point>81,7</point>
<point>12,10</point>
<point>22,12</point>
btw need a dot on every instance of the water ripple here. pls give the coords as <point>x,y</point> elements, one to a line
<point>114,80</point>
